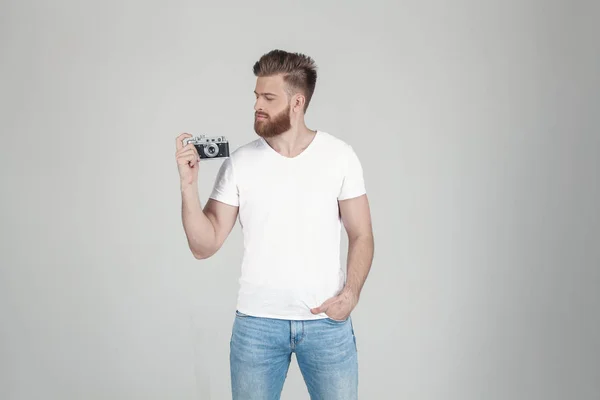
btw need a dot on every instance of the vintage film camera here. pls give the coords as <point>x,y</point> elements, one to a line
<point>210,147</point>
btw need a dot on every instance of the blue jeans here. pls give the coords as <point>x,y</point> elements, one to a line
<point>261,351</point>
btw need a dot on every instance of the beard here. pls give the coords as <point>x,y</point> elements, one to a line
<point>271,127</point>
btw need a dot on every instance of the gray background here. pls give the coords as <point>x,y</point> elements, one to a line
<point>477,125</point>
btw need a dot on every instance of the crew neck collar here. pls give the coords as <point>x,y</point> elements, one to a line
<point>302,154</point>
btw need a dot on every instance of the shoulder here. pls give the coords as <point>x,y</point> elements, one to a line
<point>246,153</point>
<point>333,141</point>
<point>334,145</point>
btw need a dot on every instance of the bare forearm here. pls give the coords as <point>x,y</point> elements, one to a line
<point>360,257</point>
<point>199,230</point>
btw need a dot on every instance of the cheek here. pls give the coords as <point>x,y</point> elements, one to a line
<point>277,110</point>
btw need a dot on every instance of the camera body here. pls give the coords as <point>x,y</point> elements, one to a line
<point>210,147</point>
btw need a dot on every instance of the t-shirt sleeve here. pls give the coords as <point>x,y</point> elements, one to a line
<point>353,183</point>
<point>225,187</point>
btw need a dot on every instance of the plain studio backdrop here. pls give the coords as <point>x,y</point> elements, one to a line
<point>477,125</point>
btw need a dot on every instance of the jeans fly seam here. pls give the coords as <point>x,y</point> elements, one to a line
<point>292,335</point>
<point>301,333</point>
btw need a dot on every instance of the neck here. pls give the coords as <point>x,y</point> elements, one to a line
<point>293,141</point>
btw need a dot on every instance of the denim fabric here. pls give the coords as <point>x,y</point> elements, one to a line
<point>261,351</point>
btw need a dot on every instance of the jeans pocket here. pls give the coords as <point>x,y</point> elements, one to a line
<point>335,321</point>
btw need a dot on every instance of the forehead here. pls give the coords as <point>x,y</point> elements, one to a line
<point>270,84</point>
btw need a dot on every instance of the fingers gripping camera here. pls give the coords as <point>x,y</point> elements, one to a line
<point>212,147</point>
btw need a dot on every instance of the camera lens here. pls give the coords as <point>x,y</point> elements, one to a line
<point>211,150</point>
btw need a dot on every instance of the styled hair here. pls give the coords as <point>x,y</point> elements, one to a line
<point>299,71</point>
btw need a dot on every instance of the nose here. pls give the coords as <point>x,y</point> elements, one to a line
<point>258,106</point>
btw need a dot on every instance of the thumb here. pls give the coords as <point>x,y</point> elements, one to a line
<point>323,307</point>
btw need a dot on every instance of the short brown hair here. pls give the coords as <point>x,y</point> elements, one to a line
<point>299,71</point>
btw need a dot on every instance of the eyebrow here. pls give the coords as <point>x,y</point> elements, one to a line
<point>266,94</point>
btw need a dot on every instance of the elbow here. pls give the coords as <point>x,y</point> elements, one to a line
<point>202,251</point>
<point>198,253</point>
<point>366,237</point>
<point>202,255</point>
<point>199,256</point>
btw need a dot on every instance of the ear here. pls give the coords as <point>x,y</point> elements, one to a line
<point>298,102</point>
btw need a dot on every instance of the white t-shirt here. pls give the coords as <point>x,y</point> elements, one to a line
<point>289,215</point>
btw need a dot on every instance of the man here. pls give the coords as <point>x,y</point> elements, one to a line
<point>293,188</point>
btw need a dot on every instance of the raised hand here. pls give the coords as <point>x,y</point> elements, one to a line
<point>188,160</point>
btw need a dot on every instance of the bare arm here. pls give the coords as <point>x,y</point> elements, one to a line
<point>356,217</point>
<point>207,229</point>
